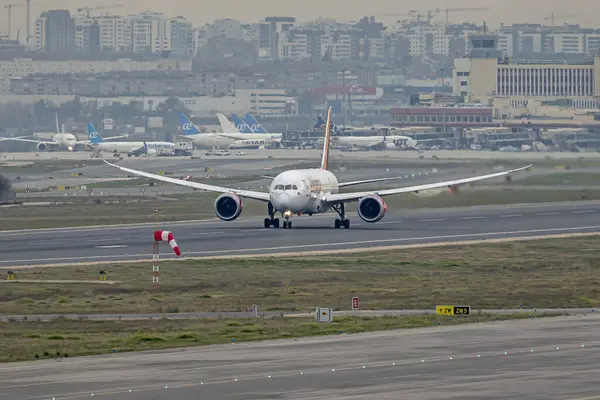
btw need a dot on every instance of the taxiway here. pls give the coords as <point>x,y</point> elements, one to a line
<point>547,358</point>
<point>316,233</point>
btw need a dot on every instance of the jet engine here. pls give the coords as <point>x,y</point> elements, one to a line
<point>42,146</point>
<point>228,206</point>
<point>151,153</point>
<point>371,208</point>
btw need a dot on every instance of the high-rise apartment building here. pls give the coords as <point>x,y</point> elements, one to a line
<point>55,32</point>
<point>268,34</point>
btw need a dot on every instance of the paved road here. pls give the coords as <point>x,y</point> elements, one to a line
<point>218,238</point>
<point>550,358</point>
<point>249,314</point>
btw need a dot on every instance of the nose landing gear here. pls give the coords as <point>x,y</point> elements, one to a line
<point>342,221</point>
<point>287,223</point>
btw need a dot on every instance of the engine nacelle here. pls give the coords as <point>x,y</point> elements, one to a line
<point>151,152</point>
<point>371,208</point>
<point>390,145</point>
<point>42,146</point>
<point>228,206</point>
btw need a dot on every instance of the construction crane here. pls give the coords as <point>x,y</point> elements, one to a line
<point>430,13</point>
<point>449,10</point>
<point>88,9</point>
<point>10,7</point>
<point>553,17</point>
<point>28,19</point>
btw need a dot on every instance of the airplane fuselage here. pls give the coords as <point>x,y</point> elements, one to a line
<point>249,139</point>
<point>301,191</point>
<point>371,141</point>
<point>128,147</point>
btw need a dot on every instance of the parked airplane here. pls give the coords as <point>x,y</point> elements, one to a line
<point>310,191</point>
<point>254,124</point>
<point>232,140</point>
<point>370,142</point>
<point>241,125</point>
<point>100,145</point>
<point>60,140</point>
<point>247,124</point>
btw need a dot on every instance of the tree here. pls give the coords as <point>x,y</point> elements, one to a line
<point>170,109</point>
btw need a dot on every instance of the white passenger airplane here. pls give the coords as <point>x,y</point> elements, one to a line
<point>60,140</point>
<point>310,191</point>
<point>99,145</point>
<point>235,140</point>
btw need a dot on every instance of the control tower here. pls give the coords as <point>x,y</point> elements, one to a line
<point>484,46</point>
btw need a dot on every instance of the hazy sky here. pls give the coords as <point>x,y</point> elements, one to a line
<point>584,12</point>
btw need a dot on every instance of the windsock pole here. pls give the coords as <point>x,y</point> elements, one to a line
<point>155,264</point>
<point>161,236</point>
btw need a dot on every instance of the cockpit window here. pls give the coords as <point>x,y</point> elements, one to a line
<point>288,187</point>
<point>295,187</point>
<point>278,187</point>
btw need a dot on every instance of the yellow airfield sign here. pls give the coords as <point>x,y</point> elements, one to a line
<point>453,310</point>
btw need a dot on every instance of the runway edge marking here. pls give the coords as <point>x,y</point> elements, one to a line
<point>322,252</point>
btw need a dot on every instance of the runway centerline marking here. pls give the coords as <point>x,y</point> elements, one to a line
<point>440,238</point>
<point>511,216</point>
<point>582,211</point>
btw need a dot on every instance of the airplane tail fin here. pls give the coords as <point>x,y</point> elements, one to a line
<point>325,156</point>
<point>226,125</point>
<point>93,134</point>
<point>241,125</point>
<point>57,126</point>
<point>321,122</point>
<point>254,124</point>
<point>187,126</point>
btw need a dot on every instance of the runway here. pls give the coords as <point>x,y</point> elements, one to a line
<point>246,236</point>
<point>549,358</point>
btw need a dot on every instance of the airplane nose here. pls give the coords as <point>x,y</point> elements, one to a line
<point>281,201</point>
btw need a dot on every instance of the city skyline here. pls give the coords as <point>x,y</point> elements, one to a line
<point>199,14</point>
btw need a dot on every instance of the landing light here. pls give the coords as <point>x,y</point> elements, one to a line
<point>287,214</point>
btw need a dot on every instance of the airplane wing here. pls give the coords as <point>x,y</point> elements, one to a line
<point>51,142</point>
<point>348,197</point>
<point>244,136</point>
<point>235,136</point>
<point>201,186</point>
<point>346,184</point>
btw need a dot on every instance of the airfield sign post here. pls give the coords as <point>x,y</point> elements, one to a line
<point>355,303</point>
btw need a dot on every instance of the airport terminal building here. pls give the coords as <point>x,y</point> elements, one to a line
<point>487,77</point>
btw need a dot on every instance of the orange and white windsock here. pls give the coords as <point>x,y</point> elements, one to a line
<point>167,236</point>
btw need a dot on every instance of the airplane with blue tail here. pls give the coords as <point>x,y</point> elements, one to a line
<point>241,125</point>
<point>99,145</point>
<point>229,138</point>
<point>368,142</point>
<point>254,124</point>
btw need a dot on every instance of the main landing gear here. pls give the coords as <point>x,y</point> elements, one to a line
<point>272,221</point>
<point>342,220</point>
